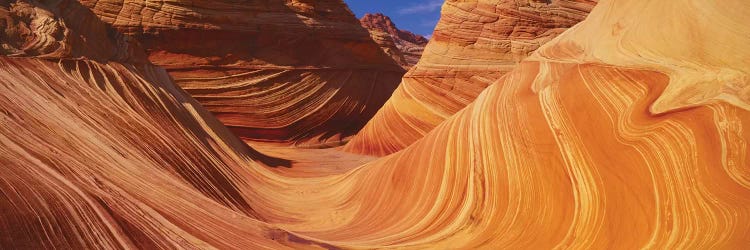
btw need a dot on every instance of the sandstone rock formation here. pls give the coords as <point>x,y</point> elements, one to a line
<point>275,70</point>
<point>630,130</point>
<point>29,29</point>
<point>403,46</point>
<point>474,43</point>
<point>100,150</point>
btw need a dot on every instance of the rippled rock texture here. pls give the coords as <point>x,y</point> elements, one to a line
<point>474,43</point>
<point>629,130</point>
<point>99,150</point>
<point>403,46</point>
<point>293,71</point>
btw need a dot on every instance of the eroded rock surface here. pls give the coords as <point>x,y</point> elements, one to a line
<point>33,29</point>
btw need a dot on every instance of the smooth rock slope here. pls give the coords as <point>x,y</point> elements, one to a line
<point>474,44</point>
<point>630,130</point>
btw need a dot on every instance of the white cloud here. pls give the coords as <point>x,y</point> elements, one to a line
<point>430,6</point>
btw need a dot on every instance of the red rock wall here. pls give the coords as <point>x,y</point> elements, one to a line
<point>284,71</point>
<point>403,46</point>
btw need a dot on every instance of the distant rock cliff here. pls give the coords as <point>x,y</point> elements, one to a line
<point>403,46</point>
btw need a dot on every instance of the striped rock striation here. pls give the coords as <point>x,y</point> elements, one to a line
<point>31,30</point>
<point>292,71</point>
<point>403,46</point>
<point>99,149</point>
<point>474,44</point>
<point>629,130</point>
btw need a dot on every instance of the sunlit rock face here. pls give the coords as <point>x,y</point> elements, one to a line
<point>403,46</point>
<point>294,71</point>
<point>474,43</point>
<point>628,131</point>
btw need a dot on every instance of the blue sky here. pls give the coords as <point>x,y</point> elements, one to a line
<point>418,16</point>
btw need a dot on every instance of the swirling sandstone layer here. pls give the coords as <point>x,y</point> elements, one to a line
<point>403,46</point>
<point>474,43</point>
<point>100,151</point>
<point>30,29</point>
<point>628,131</point>
<point>274,70</point>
